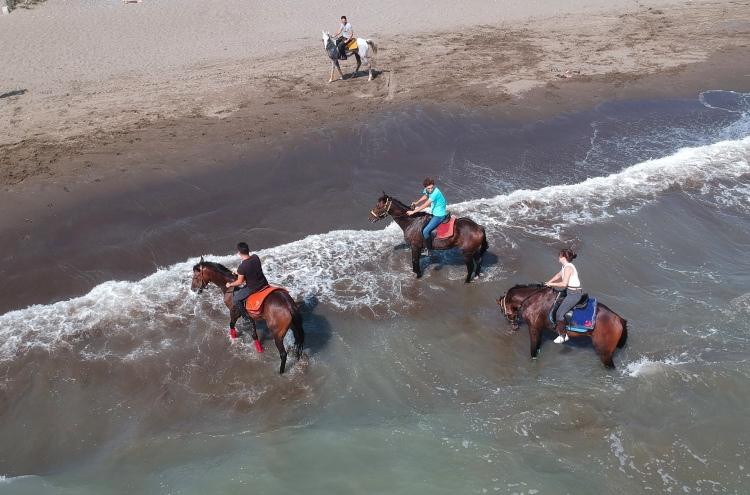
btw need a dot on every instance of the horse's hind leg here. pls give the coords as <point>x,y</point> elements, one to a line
<point>604,349</point>
<point>279,340</point>
<point>359,64</point>
<point>469,260</point>
<point>477,263</point>
<point>256,341</point>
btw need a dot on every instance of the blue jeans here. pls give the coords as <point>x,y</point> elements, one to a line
<point>431,225</point>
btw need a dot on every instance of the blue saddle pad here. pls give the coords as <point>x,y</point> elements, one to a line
<point>583,319</point>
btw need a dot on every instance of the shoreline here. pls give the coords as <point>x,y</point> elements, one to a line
<point>110,168</point>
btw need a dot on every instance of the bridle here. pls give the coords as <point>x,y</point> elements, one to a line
<point>204,282</point>
<point>384,212</point>
<point>504,304</point>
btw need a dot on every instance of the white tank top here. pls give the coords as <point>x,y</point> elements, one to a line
<point>573,282</point>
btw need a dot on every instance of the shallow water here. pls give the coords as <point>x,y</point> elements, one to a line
<point>417,386</point>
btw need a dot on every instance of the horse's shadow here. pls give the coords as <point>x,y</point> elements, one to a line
<point>449,257</point>
<point>317,328</point>
<point>363,73</point>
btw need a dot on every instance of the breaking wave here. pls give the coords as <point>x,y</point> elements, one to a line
<point>360,270</point>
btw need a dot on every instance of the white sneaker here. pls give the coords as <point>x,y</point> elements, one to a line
<point>560,339</point>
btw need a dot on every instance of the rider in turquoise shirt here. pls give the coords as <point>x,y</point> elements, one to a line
<point>431,197</point>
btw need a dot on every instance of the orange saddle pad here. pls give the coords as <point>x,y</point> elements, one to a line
<point>352,45</point>
<point>254,303</point>
<point>446,229</point>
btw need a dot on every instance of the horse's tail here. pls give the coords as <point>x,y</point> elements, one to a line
<point>372,45</point>
<point>485,246</point>
<point>297,329</point>
<point>624,335</point>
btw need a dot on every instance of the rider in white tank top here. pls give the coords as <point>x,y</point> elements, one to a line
<point>573,282</point>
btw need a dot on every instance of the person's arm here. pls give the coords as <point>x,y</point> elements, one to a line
<point>240,280</point>
<point>567,273</point>
<point>351,36</point>
<point>338,32</point>
<point>417,202</point>
<point>421,207</point>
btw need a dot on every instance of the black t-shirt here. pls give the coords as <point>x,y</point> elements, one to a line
<point>251,269</point>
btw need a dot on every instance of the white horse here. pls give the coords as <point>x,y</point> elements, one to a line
<point>365,50</point>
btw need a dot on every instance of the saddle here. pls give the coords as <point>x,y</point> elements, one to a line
<point>447,228</point>
<point>254,302</point>
<point>352,45</point>
<point>579,319</point>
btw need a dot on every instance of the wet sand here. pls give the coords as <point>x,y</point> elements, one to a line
<point>158,195</point>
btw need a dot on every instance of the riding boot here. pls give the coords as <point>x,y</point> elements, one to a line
<point>243,310</point>
<point>562,335</point>
<point>428,245</point>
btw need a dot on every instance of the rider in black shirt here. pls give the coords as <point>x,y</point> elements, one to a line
<point>250,278</point>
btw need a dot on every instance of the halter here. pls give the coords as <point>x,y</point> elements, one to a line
<point>204,282</point>
<point>504,304</point>
<point>386,210</point>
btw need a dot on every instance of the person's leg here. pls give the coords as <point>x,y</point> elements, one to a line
<point>238,298</point>
<point>427,231</point>
<point>571,298</point>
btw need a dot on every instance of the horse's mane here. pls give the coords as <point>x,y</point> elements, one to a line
<point>385,197</point>
<point>214,266</point>
<point>527,286</point>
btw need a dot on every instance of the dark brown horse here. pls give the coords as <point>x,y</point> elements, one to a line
<point>279,309</point>
<point>532,304</point>
<point>468,236</point>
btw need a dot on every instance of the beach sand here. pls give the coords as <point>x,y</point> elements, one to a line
<point>81,82</point>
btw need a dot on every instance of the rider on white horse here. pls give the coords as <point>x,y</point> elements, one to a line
<point>363,49</point>
<point>343,36</point>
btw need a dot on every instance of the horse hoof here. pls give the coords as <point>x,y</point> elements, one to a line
<point>258,346</point>
<point>233,333</point>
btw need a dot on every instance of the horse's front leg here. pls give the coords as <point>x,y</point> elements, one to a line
<point>333,68</point>
<point>359,64</point>
<point>415,252</point>
<point>535,339</point>
<point>256,341</point>
<point>234,315</point>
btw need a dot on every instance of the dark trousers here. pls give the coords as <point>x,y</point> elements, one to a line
<point>571,299</point>
<point>238,299</point>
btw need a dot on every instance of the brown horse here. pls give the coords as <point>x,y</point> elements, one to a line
<point>279,309</point>
<point>468,236</point>
<point>532,304</point>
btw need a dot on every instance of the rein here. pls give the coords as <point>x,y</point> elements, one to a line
<point>520,306</point>
<point>386,210</point>
<point>204,283</point>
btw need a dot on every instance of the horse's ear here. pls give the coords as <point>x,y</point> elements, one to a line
<point>201,261</point>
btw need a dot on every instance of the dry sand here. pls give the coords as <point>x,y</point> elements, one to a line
<point>85,83</point>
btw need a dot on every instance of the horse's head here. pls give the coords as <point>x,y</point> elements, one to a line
<point>206,272</point>
<point>510,303</point>
<point>200,281</point>
<point>326,39</point>
<point>382,208</point>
